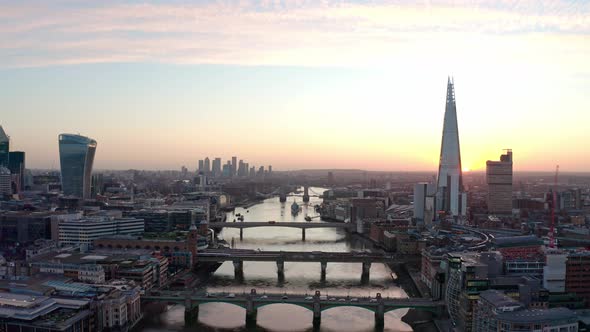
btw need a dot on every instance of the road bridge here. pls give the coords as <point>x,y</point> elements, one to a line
<point>239,256</point>
<point>316,303</point>
<point>302,225</point>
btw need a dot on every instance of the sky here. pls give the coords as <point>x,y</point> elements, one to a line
<point>297,83</point>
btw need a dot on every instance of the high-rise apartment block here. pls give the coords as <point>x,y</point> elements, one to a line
<point>234,166</point>
<point>499,180</point>
<point>216,167</point>
<point>76,154</point>
<point>207,166</point>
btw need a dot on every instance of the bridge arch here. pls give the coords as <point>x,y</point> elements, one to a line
<point>327,307</point>
<point>214,300</point>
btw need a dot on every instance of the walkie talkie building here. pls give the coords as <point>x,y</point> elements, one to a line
<point>76,154</point>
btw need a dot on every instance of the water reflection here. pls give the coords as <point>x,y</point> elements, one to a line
<point>342,279</point>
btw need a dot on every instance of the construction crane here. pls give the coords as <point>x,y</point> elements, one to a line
<point>553,203</point>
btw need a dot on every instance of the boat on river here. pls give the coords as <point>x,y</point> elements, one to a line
<point>295,208</point>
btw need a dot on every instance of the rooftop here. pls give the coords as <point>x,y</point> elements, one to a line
<point>517,241</point>
<point>498,299</point>
<point>539,316</point>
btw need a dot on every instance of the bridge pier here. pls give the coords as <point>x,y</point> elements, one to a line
<point>191,313</point>
<point>379,314</point>
<point>251,313</point>
<point>241,234</point>
<point>305,194</point>
<point>238,269</point>
<point>366,272</point>
<point>281,270</point>
<point>302,234</point>
<point>317,312</point>
<point>324,265</point>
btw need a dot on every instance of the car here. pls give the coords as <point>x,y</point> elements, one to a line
<point>263,297</point>
<point>342,300</point>
<point>373,300</point>
<point>354,299</point>
<point>285,297</point>
<point>308,298</point>
<point>231,296</point>
<point>323,297</point>
<point>210,295</point>
<point>333,299</point>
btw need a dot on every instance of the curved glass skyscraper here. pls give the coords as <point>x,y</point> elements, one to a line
<point>76,154</point>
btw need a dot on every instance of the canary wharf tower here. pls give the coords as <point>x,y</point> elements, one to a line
<point>450,196</point>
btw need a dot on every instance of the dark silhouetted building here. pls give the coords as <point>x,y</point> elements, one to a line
<point>499,180</point>
<point>4,148</point>
<point>16,165</point>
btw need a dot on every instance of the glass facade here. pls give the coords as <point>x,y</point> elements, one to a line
<point>4,149</point>
<point>76,155</point>
<point>16,165</point>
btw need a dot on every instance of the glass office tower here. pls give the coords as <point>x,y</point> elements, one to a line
<point>76,154</point>
<point>4,148</point>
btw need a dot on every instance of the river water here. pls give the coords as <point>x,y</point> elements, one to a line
<point>342,278</point>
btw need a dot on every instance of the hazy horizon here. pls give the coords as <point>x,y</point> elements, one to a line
<point>298,84</point>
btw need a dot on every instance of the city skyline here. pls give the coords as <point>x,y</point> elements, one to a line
<point>348,85</point>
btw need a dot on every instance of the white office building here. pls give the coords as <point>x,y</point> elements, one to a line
<point>84,231</point>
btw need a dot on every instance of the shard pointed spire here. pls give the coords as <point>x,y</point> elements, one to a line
<point>450,178</point>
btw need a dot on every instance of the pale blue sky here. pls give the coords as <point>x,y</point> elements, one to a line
<point>297,83</point>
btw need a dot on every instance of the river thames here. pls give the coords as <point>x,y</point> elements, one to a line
<point>342,279</point>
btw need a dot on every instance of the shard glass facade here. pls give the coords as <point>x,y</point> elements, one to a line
<point>450,196</point>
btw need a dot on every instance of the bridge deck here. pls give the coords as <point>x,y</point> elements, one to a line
<point>252,224</point>
<point>298,299</point>
<point>300,256</point>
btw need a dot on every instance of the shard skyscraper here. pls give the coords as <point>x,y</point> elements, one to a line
<point>450,196</point>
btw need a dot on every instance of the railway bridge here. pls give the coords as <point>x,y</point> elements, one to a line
<point>317,303</point>
<point>239,256</point>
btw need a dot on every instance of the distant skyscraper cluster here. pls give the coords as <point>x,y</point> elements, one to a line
<point>232,168</point>
<point>12,167</point>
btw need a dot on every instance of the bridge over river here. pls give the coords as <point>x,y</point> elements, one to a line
<point>239,256</point>
<point>302,225</point>
<point>316,303</point>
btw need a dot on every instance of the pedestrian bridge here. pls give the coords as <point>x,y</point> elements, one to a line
<point>316,303</point>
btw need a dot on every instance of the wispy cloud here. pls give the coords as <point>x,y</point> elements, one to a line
<point>308,33</point>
